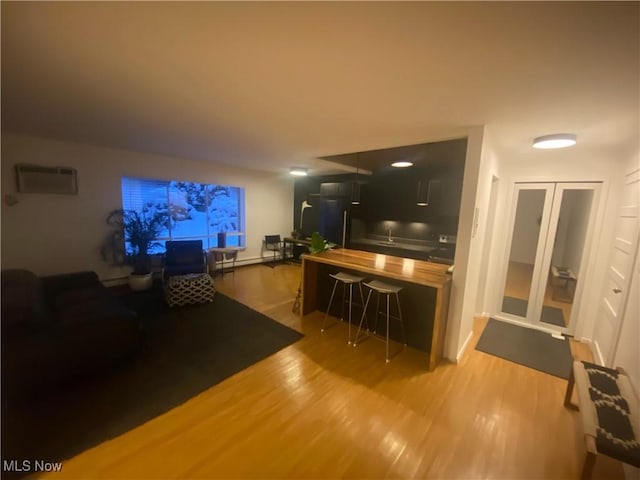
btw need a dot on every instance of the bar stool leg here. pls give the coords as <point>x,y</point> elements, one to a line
<point>404,333</point>
<point>364,313</point>
<point>387,352</point>
<point>375,324</point>
<point>324,322</point>
<point>350,308</point>
<point>344,291</point>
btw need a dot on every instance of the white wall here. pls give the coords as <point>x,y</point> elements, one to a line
<point>480,170</point>
<point>51,234</point>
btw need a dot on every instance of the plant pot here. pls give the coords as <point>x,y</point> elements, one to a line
<point>141,282</point>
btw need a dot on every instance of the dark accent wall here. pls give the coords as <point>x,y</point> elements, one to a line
<point>308,188</point>
<point>389,199</point>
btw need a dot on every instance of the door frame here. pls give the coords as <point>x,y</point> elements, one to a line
<point>548,228</point>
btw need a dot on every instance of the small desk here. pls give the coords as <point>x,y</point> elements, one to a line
<point>219,255</point>
<point>563,283</point>
<point>293,242</point>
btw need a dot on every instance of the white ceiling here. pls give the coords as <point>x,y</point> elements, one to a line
<point>270,85</point>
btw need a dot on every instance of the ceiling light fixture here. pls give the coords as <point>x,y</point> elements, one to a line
<point>402,164</point>
<point>557,140</point>
<point>355,186</point>
<point>424,188</point>
<point>298,171</point>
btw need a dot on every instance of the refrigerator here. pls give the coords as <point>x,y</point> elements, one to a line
<point>333,219</point>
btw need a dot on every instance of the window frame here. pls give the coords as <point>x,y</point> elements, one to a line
<point>211,238</point>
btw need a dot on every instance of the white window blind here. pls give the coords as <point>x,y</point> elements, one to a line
<point>200,211</point>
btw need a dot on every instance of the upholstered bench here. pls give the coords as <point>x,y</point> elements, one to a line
<point>609,408</point>
<point>189,289</point>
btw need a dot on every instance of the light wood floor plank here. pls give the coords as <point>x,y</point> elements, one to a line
<point>323,409</point>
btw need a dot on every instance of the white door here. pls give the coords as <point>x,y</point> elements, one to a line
<point>607,329</point>
<point>565,263</point>
<point>528,224</point>
<point>551,227</point>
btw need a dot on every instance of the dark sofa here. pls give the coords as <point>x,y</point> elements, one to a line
<point>59,328</point>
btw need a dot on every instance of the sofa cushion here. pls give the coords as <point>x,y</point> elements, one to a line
<point>78,296</point>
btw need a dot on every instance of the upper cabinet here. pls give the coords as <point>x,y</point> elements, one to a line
<point>335,189</point>
<point>395,195</point>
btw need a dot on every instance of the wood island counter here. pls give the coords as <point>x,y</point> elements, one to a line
<point>424,298</point>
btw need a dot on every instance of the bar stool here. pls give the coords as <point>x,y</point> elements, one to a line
<point>386,289</point>
<point>345,279</point>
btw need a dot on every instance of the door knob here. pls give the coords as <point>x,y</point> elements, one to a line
<point>616,290</point>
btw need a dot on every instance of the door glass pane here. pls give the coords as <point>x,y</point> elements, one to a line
<point>568,246</point>
<point>524,244</point>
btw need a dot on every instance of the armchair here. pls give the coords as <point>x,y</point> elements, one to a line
<point>183,257</point>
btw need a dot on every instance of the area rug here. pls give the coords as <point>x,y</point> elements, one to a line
<point>186,351</point>
<point>526,346</point>
<point>518,306</point>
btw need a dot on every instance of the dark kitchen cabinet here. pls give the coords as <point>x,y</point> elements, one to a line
<point>394,197</point>
<point>335,189</point>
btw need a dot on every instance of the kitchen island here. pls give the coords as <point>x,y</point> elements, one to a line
<point>424,298</point>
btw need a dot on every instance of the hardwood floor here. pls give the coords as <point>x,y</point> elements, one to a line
<point>322,409</point>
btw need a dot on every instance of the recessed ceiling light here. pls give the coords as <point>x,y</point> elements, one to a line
<point>557,140</point>
<point>298,171</point>
<point>401,164</point>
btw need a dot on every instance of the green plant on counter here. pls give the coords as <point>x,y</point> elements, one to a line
<point>319,244</point>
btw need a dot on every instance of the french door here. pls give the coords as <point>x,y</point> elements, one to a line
<point>545,265</point>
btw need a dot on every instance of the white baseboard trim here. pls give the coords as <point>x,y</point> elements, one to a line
<point>114,282</point>
<point>464,347</point>
<point>595,350</point>
<point>597,354</point>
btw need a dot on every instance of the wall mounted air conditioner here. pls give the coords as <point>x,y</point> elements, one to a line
<point>38,179</point>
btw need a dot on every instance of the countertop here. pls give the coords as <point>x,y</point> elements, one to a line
<point>399,244</point>
<point>405,269</point>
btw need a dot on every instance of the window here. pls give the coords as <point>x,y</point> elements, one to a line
<point>198,211</point>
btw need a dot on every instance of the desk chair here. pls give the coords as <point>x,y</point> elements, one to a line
<point>275,244</point>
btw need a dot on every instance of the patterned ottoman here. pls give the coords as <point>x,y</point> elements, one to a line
<point>187,289</point>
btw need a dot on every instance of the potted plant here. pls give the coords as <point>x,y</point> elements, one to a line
<point>134,234</point>
<point>319,244</point>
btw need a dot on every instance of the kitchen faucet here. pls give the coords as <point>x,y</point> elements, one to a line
<point>390,239</point>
